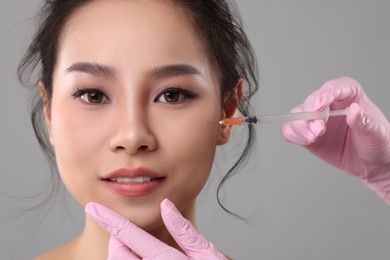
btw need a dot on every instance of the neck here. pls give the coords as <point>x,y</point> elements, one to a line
<point>93,241</point>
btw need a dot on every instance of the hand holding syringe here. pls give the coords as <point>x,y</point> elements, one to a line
<point>282,117</point>
<point>359,145</point>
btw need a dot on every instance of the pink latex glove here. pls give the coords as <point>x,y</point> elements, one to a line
<point>128,241</point>
<point>358,143</point>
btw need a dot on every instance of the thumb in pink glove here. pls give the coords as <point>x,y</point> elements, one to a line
<point>358,144</point>
<point>128,241</point>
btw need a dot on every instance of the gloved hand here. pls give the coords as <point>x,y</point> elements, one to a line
<point>358,143</point>
<point>131,242</point>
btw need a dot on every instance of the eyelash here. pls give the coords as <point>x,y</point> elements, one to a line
<point>186,94</point>
<point>87,90</point>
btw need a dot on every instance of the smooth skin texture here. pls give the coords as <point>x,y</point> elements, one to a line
<point>134,118</point>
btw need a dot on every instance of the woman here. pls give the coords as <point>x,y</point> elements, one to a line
<point>132,93</point>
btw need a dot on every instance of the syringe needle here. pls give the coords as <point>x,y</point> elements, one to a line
<point>282,117</point>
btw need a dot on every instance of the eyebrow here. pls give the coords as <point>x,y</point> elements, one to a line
<point>172,71</point>
<point>94,69</point>
<point>105,71</point>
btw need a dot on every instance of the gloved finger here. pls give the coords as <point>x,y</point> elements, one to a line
<point>320,101</point>
<point>118,250</point>
<point>187,237</point>
<point>372,136</point>
<point>338,94</point>
<point>137,239</point>
<point>302,132</point>
<point>334,94</point>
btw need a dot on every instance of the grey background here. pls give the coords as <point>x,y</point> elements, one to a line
<point>301,208</point>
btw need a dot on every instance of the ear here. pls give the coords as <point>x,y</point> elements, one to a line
<point>46,107</point>
<point>230,108</point>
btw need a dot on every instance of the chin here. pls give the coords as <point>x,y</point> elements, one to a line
<point>146,215</point>
<point>147,222</point>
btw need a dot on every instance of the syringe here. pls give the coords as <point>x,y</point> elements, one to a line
<point>282,117</point>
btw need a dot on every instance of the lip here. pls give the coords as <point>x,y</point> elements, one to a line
<point>133,173</point>
<point>133,188</point>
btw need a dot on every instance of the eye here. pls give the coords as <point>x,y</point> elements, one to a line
<point>174,95</point>
<point>92,96</point>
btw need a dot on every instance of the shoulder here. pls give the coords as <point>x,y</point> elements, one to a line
<point>57,254</point>
<point>50,255</point>
<point>61,253</point>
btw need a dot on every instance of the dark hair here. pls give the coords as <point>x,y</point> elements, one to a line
<point>218,23</point>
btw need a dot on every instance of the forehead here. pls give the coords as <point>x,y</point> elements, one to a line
<point>155,29</point>
<point>134,36</point>
<point>127,11</point>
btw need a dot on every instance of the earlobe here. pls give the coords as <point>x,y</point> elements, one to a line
<point>230,108</point>
<point>46,107</point>
<point>42,92</point>
<point>225,132</point>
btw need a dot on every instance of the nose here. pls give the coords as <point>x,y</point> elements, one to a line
<point>132,134</point>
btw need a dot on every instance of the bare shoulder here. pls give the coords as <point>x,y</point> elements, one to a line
<point>61,253</point>
<point>55,254</point>
<point>47,256</point>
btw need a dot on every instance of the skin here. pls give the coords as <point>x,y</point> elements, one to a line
<point>137,126</point>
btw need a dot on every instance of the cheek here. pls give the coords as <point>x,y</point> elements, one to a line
<point>72,136</point>
<point>77,141</point>
<point>193,134</point>
<point>190,148</point>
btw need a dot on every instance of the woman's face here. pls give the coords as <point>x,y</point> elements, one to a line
<point>135,108</point>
